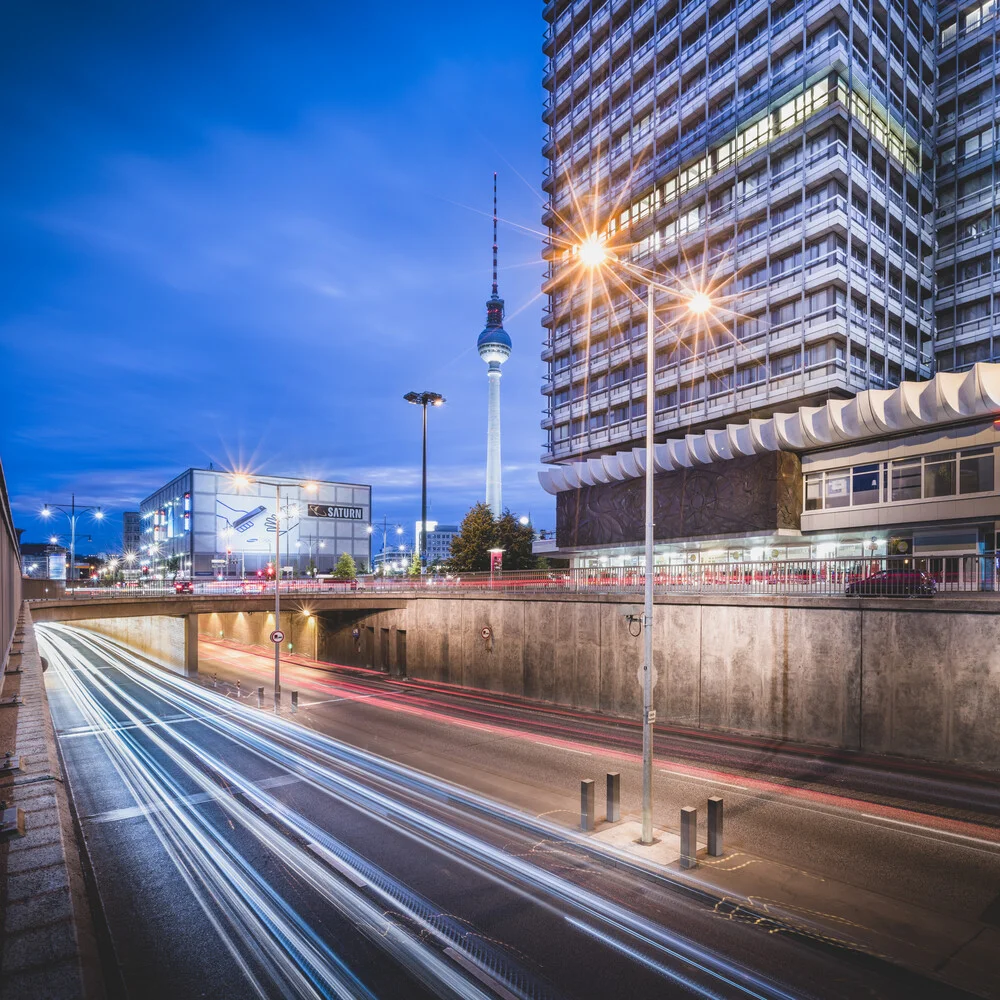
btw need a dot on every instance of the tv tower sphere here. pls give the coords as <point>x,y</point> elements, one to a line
<point>494,348</point>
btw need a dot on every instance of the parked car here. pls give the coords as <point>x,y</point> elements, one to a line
<point>183,587</point>
<point>893,582</point>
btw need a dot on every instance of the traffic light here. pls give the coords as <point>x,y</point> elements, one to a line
<point>270,571</point>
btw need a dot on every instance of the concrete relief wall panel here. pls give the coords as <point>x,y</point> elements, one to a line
<point>564,661</point>
<point>739,681</point>
<point>759,493</point>
<point>508,647</point>
<point>587,669</point>
<point>677,651</point>
<point>823,654</point>
<point>907,683</point>
<point>621,656</point>
<point>975,662</point>
<point>481,666</point>
<point>540,649</point>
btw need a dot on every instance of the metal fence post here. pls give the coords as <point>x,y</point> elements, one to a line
<point>715,826</point>
<point>587,804</point>
<point>689,837</point>
<point>260,697</point>
<point>614,796</point>
<point>295,708</point>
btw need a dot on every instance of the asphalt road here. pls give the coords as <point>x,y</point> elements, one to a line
<point>240,854</point>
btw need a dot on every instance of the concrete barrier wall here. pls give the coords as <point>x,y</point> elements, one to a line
<point>917,678</point>
<point>163,639</point>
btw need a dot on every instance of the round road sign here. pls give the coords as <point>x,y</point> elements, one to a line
<point>277,635</point>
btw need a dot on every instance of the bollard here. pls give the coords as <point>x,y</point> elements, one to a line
<point>260,697</point>
<point>715,826</point>
<point>689,837</point>
<point>295,702</point>
<point>614,796</point>
<point>587,804</point>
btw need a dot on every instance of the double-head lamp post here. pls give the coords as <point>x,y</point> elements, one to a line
<point>423,399</point>
<point>594,255</point>
<point>242,480</point>
<point>72,511</point>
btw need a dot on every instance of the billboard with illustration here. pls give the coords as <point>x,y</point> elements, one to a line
<point>247,523</point>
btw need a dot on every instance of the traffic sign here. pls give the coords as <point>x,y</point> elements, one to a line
<point>277,635</point>
<point>487,632</point>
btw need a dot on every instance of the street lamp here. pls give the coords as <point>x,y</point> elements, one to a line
<point>422,399</point>
<point>72,511</point>
<point>594,254</point>
<point>242,480</point>
<point>385,531</point>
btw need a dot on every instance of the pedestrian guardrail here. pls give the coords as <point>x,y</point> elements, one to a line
<point>902,576</point>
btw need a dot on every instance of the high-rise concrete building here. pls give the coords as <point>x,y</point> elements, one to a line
<point>494,348</point>
<point>782,153</point>
<point>131,531</point>
<point>829,171</point>
<point>968,255</point>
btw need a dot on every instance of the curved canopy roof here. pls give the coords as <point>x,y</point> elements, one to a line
<point>947,398</point>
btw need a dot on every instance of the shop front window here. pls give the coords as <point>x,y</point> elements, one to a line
<point>865,484</point>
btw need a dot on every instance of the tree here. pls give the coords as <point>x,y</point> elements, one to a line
<point>515,539</point>
<point>346,569</point>
<point>414,569</point>
<point>174,565</point>
<point>470,547</point>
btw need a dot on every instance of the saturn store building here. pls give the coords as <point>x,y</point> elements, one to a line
<point>218,528</point>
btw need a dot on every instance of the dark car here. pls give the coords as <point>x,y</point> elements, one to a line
<point>183,587</point>
<point>893,582</point>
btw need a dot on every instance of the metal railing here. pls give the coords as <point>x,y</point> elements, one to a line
<point>875,576</point>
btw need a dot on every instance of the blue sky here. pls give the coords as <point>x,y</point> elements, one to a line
<point>241,232</point>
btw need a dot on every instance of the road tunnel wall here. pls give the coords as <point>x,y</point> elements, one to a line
<point>168,640</point>
<point>914,678</point>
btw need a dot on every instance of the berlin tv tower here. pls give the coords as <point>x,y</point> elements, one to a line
<point>494,349</point>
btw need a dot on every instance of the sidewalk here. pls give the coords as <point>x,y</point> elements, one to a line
<point>794,895</point>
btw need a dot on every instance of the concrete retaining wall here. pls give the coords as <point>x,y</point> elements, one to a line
<point>167,640</point>
<point>915,678</point>
<point>46,929</point>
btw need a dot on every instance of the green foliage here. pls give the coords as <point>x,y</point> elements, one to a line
<point>173,564</point>
<point>414,568</point>
<point>515,539</point>
<point>479,533</point>
<point>470,547</point>
<point>346,569</point>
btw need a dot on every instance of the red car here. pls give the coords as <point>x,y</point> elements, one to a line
<point>893,582</point>
<point>183,587</point>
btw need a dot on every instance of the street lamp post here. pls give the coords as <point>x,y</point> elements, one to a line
<point>422,399</point>
<point>385,532</point>
<point>72,511</point>
<point>242,480</point>
<point>593,254</point>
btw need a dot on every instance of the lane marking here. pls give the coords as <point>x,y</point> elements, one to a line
<point>709,781</point>
<point>931,829</point>
<point>195,799</point>
<point>92,731</point>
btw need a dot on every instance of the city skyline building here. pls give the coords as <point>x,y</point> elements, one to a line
<point>781,154</point>
<point>131,531</point>
<point>494,346</point>
<point>827,173</point>
<point>208,524</point>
